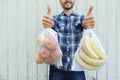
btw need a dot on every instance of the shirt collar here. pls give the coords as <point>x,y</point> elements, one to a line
<point>73,13</point>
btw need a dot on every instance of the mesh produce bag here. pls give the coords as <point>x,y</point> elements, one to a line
<point>49,50</point>
<point>90,53</point>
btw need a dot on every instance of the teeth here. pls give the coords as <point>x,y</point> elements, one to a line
<point>90,56</point>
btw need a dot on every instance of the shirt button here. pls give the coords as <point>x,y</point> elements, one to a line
<point>67,41</point>
<point>67,49</point>
<point>68,59</point>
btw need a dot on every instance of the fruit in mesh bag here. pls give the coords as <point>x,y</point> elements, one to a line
<point>56,53</point>
<point>87,47</point>
<point>90,56</point>
<point>49,60</point>
<point>39,59</point>
<point>90,60</point>
<point>83,64</point>
<point>41,40</point>
<point>96,48</point>
<point>51,42</point>
<point>44,52</point>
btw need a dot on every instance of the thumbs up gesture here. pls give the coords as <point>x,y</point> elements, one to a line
<point>89,22</point>
<point>47,20</point>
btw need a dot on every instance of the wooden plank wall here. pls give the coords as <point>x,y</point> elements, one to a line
<point>20,24</point>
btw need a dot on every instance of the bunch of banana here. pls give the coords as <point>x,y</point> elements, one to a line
<point>90,56</point>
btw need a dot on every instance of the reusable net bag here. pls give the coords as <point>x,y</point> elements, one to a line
<point>49,50</point>
<point>90,53</point>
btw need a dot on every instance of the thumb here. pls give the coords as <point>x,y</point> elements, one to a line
<point>90,11</point>
<point>48,10</point>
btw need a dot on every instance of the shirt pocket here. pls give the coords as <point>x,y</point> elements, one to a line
<point>77,28</point>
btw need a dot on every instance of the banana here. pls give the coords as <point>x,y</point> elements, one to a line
<point>87,48</point>
<point>89,60</point>
<point>84,64</point>
<point>96,49</point>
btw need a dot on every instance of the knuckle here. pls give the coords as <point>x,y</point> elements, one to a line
<point>51,21</point>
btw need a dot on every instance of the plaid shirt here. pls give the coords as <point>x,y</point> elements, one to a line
<point>69,31</point>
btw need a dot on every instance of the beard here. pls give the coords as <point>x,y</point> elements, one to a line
<point>68,5</point>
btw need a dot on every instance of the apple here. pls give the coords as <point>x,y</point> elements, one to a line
<point>50,42</point>
<point>56,53</point>
<point>41,40</point>
<point>39,59</point>
<point>44,52</point>
<point>49,60</point>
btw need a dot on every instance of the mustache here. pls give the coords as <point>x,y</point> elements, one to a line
<point>68,2</point>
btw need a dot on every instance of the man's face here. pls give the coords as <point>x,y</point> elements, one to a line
<point>67,4</point>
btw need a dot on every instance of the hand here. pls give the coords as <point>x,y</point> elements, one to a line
<point>89,22</point>
<point>48,19</point>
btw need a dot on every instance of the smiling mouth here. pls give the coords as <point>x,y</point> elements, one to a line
<point>67,2</point>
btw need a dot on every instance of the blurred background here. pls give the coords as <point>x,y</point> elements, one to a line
<point>21,23</point>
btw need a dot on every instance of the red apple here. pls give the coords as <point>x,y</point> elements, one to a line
<point>51,42</point>
<point>39,59</point>
<point>44,52</point>
<point>56,53</point>
<point>41,40</point>
<point>49,60</point>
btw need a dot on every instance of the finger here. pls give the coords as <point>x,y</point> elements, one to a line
<point>48,17</point>
<point>89,25</point>
<point>90,11</point>
<point>47,24</point>
<point>47,21</point>
<point>89,21</point>
<point>89,17</point>
<point>48,10</point>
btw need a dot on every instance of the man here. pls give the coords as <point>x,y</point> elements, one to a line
<point>69,27</point>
